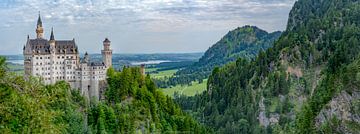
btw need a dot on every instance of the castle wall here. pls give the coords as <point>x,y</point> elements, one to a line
<point>84,77</point>
<point>56,60</point>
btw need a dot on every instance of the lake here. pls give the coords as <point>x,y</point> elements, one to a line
<point>149,62</point>
<point>16,61</point>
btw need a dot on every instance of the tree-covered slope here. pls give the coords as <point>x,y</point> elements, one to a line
<point>28,106</point>
<point>132,105</point>
<point>135,105</point>
<point>308,82</point>
<point>244,42</point>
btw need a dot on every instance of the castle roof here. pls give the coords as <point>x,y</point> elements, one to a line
<point>42,46</point>
<point>106,40</point>
<point>52,34</point>
<point>97,64</point>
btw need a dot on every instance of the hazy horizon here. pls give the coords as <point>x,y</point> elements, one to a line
<point>137,27</point>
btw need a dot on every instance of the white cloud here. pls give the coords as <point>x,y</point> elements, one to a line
<point>150,16</point>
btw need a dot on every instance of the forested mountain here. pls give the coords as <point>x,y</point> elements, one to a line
<point>308,82</point>
<point>132,105</point>
<point>244,42</point>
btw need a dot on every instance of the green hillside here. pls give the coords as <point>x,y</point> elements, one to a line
<point>132,105</point>
<point>308,82</point>
<point>244,42</point>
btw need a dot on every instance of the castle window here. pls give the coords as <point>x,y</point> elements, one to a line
<point>40,57</point>
<point>62,57</point>
<point>37,57</point>
<point>58,58</point>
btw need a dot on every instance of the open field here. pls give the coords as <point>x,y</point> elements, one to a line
<point>17,68</point>
<point>162,74</point>
<point>192,90</point>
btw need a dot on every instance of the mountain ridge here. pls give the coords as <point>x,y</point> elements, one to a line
<point>245,42</point>
<point>292,86</point>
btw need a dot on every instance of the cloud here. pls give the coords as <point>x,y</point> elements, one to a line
<point>137,17</point>
<point>72,11</point>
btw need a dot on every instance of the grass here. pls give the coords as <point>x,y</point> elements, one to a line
<point>16,68</point>
<point>150,69</point>
<point>192,90</point>
<point>163,74</point>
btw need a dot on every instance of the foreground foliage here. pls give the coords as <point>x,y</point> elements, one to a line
<point>28,106</point>
<point>132,104</point>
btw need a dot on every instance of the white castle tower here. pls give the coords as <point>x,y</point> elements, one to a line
<point>107,53</point>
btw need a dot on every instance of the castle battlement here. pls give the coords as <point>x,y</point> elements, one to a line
<point>56,60</point>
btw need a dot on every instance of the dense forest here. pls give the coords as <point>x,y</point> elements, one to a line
<point>308,82</point>
<point>244,42</point>
<point>132,104</point>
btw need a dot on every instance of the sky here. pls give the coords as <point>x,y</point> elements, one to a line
<point>137,26</point>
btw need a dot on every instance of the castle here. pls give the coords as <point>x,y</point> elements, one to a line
<point>56,60</point>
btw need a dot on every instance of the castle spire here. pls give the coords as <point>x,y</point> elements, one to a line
<point>39,22</point>
<point>39,29</point>
<point>52,34</point>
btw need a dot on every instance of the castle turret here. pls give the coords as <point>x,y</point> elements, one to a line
<point>107,53</point>
<point>142,69</point>
<point>52,39</point>
<point>86,58</point>
<point>39,28</point>
<point>52,56</point>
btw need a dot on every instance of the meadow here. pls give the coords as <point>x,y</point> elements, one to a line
<point>188,90</point>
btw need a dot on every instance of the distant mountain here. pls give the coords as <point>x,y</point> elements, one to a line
<point>244,42</point>
<point>308,82</point>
